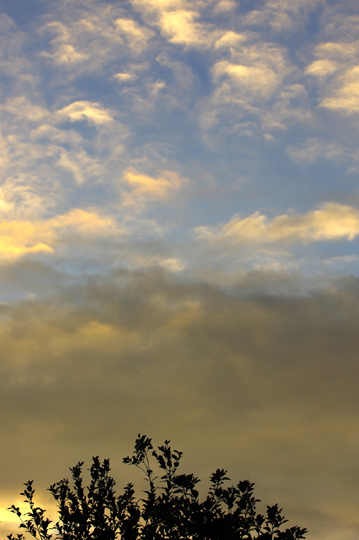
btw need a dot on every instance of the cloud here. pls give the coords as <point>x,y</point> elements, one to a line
<point>335,67</point>
<point>137,36</point>
<point>315,149</point>
<point>12,60</point>
<point>229,39</point>
<point>254,89</point>
<point>290,107</point>
<point>321,68</point>
<point>184,360</point>
<point>65,53</point>
<point>125,77</point>
<point>144,188</point>
<point>18,238</point>
<point>86,110</point>
<point>281,16</point>
<point>162,6</point>
<point>24,110</point>
<point>41,156</point>
<point>248,80</point>
<point>346,97</point>
<point>92,36</point>
<point>5,205</point>
<point>329,223</point>
<point>223,6</point>
<point>179,27</point>
<point>177,20</point>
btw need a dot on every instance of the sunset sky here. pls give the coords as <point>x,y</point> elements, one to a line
<point>179,241</point>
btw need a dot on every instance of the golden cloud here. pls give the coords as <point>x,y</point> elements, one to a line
<point>321,68</point>
<point>345,98</point>
<point>18,238</point>
<point>330,222</point>
<point>144,188</point>
<point>136,35</point>
<point>177,21</point>
<point>125,77</point>
<point>229,39</point>
<point>339,93</point>
<point>180,27</point>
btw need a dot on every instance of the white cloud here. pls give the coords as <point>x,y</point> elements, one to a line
<point>86,110</point>
<point>125,77</point>
<point>330,222</point>
<point>315,149</point>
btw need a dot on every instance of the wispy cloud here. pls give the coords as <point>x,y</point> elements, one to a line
<point>12,59</point>
<point>144,189</point>
<point>316,149</point>
<point>64,52</point>
<point>281,16</point>
<point>136,36</point>
<point>24,110</point>
<point>254,89</point>
<point>92,36</point>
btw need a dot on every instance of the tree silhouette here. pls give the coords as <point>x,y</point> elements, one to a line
<point>169,510</point>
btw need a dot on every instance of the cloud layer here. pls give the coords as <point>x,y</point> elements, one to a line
<point>219,373</point>
<point>179,243</point>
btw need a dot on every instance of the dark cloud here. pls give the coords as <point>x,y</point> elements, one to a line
<point>265,385</point>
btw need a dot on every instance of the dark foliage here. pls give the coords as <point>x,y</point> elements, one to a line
<point>170,508</point>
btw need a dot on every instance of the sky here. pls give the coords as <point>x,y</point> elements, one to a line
<point>179,244</point>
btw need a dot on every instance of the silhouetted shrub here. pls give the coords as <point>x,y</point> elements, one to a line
<point>170,508</point>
